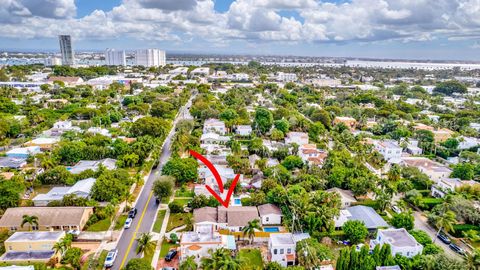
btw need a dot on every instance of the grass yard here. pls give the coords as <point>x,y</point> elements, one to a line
<point>157,226</point>
<point>187,193</point>
<point>95,264</point>
<point>177,220</point>
<point>252,258</point>
<point>166,247</point>
<point>182,202</point>
<point>100,226</point>
<point>120,222</point>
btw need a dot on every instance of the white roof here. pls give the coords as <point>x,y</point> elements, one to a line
<point>45,140</point>
<point>25,150</point>
<point>280,239</point>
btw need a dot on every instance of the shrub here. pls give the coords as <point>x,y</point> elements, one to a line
<point>175,207</point>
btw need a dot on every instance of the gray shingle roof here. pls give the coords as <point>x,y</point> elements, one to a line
<point>368,215</point>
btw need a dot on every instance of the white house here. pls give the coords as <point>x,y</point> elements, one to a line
<point>23,152</point>
<point>286,77</point>
<point>214,125</point>
<point>389,149</point>
<point>270,214</point>
<point>198,244</point>
<point>93,165</point>
<point>300,138</point>
<point>467,142</point>
<point>412,148</point>
<point>400,241</point>
<point>434,170</point>
<point>447,185</point>
<point>81,189</point>
<point>101,131</point>
<point>243,130</point>
<point>233,218</point>
<point>281,249</point>
<point>346,197</point>
<point>213,138</point>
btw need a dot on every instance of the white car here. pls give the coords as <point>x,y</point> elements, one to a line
<point>110,259</point>
<point>396,209</point>
<point>128,223</point>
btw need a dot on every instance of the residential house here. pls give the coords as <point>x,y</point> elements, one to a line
<point>233,218</point>
<point>31,247</point>
<point>281,249</point>
<point>299,138</point>
<point>49,218</point>
<point>81,189</point>
<point>61,127</point>
<point>43,143</point>
<point>346,197</point>
<point>467,142</point>
<point>12,163</point>
<point>68,81</point>
<point>243,130</point>
<point>389,149</point>
<point>206,175</point>
<point>213,138</point>
<point>400,241</point>
<point>440,135</point>
<point>349,122</point>
<point>93,165</point>
<point>412,148</point>
<point>270,214</point>
<point>311,155</point>
<point>198,244</point>
<point>366,214</point>
<point>433,169</point>
<point>447,185</point>
<point>23,152</point>
<point>214,125</point>
<point>100,131</point>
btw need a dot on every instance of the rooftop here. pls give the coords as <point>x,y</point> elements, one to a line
<point>47,216</point>
<point>398,237</point>
<point>27,256</point>
<point>282,239</point>
<point>367,215</point>
<point>35,236</point>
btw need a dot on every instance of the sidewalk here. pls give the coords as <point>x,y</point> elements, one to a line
<point>163,230</point>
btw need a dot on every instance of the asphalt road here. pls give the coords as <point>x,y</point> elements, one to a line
<point>146,205</point>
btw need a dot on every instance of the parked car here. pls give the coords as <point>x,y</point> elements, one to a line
<point>444,238</point>
<point>128,223</point>
<point>74,232</point>
<point>457,249</point>
<point>110,259</point>
<point>171,255</point>
<point>396,209</point>
<point>132,213</point>
<point>169,268</point>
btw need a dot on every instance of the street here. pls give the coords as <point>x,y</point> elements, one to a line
<point>422,225</point>
<point>146,205</point>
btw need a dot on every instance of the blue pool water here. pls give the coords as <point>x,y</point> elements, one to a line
<point>237,202</point>
<point>271,229</point>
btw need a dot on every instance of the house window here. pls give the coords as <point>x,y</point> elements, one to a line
<point>281,251</point>
<point>289,251</point>
<point>9,247</point>
<point>267,219</point>
<point>13,228</point>
<point>275,251</point>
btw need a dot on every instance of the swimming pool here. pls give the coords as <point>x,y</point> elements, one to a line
<point>271,229</point>
<point>237,202</point>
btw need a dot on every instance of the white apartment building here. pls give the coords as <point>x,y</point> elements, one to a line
<point>400,241</point>
<point>150,58</point>
<point>286,77</point>
<point>115,58</point>
<point>281,248</point>
<point>214,125</point>
<point>389,149</point>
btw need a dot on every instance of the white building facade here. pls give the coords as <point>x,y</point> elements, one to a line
<point>150,58</point>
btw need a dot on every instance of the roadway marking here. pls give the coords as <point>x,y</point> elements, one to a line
<point>136,230</point>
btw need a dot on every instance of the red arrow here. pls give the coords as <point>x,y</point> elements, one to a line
<point>211,167</point>
<point>215,173</point>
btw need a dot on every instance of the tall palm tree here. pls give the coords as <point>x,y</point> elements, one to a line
<point>31,220</point>
<point>445,222</point>
<point>249,230</point>
<point>145,243</point>
<point>189,264</point>
<point>220,259</point>
<point>59,247</point>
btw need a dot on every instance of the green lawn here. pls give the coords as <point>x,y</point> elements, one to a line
<point>177,220</point>
<point>186,193</point>
<point>251,257</point>
<point>100,226</point>
<point>120,222</point>
<point>166,247</point>
<point>95,264</point>
<point>157,226</point>
<point>182,202</point>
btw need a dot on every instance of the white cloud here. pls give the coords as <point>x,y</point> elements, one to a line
<point>250,20</point>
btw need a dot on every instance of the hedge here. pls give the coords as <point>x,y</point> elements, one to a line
<point>459,228</point>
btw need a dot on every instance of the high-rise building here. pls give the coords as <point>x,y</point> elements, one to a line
<point>53,61</point>
<point>68,57</point>
<point>150,58</point>
<point>115,58</point>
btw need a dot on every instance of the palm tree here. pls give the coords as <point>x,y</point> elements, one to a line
<point>145,243</point>
<point>445,222</point>
<point>128,198</point>
<point>31,220</point>
<point>220,259</point>
<point>249,230</point>
<point>59,247</point>
<point>189,264</point>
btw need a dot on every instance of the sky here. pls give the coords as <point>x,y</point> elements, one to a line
<point>398,29</point>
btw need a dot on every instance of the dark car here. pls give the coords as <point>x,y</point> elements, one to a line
<point>457,249</point>
<point>444,238</point>
<point>132,213</point>
<point>171,255</point>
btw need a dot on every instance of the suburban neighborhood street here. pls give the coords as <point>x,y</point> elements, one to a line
<point>146,205</point>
